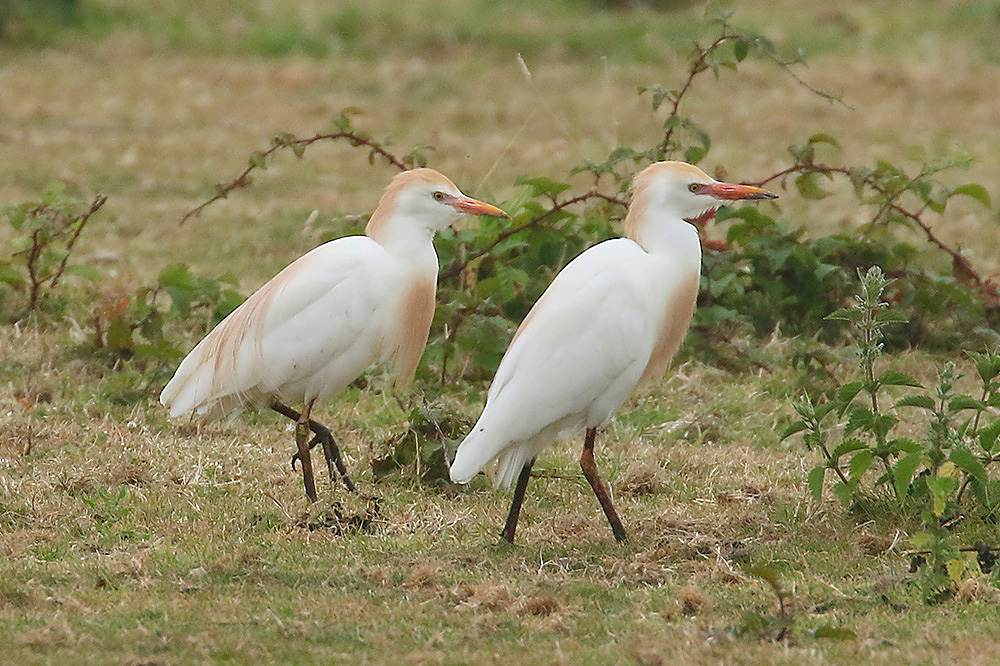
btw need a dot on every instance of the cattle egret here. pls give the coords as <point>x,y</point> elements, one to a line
<point>612,318</point>
<point>317,325</point>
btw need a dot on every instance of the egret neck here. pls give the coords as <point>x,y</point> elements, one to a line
<point>659,231</point>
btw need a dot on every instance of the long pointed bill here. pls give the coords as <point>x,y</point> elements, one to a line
<point>730,192</point>
<point>471,206</point>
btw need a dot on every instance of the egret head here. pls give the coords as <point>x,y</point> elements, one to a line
<point>687,192</point>
<point>428,198</point>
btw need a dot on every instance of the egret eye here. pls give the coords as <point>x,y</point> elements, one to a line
<point>439,196</point>
<point>694,187</point>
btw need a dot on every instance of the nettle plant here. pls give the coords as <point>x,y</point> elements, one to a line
<point>861,431</point>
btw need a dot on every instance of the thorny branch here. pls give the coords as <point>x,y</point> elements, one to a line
<point>700,64</point>
<point>456,269</point>
<point>40,240</point>
<point>258,160</point>
<point>79,222</point>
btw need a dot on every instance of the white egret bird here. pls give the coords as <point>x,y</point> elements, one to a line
<point>317,325</point>
<point>613,317</point>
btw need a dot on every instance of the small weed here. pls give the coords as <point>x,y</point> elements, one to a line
<point>45,233</point>
<point>110,512</point>
<point>427,445</point>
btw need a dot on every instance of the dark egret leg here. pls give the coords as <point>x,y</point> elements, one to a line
<point>590,471</point>
<point>324,436</point>
<point>302,440</point>
<point>332,453</point>
<point>515,505</point>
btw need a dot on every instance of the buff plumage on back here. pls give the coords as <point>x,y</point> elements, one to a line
<point>376,227</point>
<point>200,382</point>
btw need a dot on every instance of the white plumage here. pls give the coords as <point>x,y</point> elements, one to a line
<point>612,317</point>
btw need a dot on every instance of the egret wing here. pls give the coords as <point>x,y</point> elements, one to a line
<point>576,357</point>
<point>586,336</point>
<point>323,307</point>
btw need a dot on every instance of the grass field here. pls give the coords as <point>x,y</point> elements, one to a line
<point>125,538</point>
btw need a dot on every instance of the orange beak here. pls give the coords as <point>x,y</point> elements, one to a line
<point>471,206</point>
<point>730,192</point>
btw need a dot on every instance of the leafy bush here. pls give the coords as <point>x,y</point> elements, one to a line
<point>141,328</point>
<point>45,232</point>
<point>768,274</point>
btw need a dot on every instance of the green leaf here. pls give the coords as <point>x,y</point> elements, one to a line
<point>922,540</point>
<point>921,401</point>
<point>119,335</point>
<point>845,315</point>
<point>940,488</point>
<point>904,444</point>
<point>10,275</point>
<point>987,365</point>
<point>847,392</point>
<point>882,424</point>
<point>797,426</point>
<point>860,463</point>
<point>890,317</point>
<point>258,160</point>
<point>543,186</point>
<point>741,49</point>
<point>815,481</point>
<point>694,154</point>
<point>177,280</point>
<point>903,472</point>
<point>808,186</point>
<point>960,402</point>
<point>161,350</point>
<point>858,418</point>
<point>229,300</point>
<point>843,493</point>
<point>86,272</point>
<point>767,574</point>
<point>822,137</point>
<point>967,461</point>
<point>974,190</point>
<point>988,436</point>
<point>848,446</point>
<point>896,378</point>
<point>836,633</point>
<point>955,568</point>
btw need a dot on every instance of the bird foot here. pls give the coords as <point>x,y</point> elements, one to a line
<point>312,443</point>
